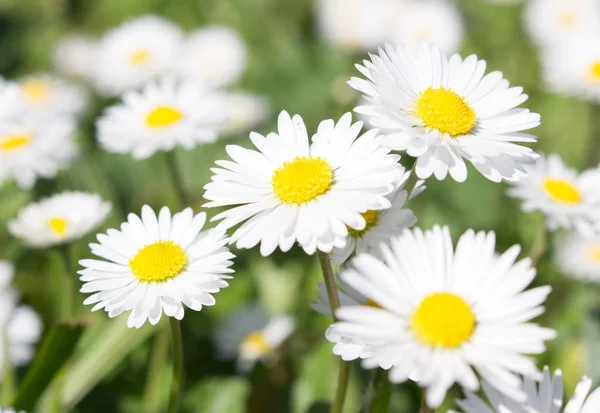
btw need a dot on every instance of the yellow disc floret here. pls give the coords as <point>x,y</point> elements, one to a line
<point>11,142</point>
<point>58,225</point>
<point>36,90</point>
<point>595,71</point>
<point>302,179</point>
<point>158,262</point>
<point>140,57</point>
<point>255,343</point>
<point>562,191</point>
<point>595,253</point>
<point>443,320</point>
<point>371,217</point>
<point>445,111</point>
<point>163,116</point>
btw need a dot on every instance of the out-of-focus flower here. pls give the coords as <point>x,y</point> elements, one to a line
<point>214,55</point>
<point>290,190</point>
<point>30,149</point>
<point>155,265</point>
<point>75,56</point>
<point>579,257</point>
<point>20,324</point>
<point>356,24</point>
<point>573,67</point>
<point>59,219</point>
<point>443,111</point>
<point>12,101</point>
<point>243,112</point>
<point>47,95</point>
<point>135,53</point>
<point>160,117</point>
<point>440,313</point>
<point>9,410</point>
<point>249,335</point>
<point>435,21</point>
<point>550,22</point>
<point>567,199</point>
<point>381,225</point>
<point>545,397</point>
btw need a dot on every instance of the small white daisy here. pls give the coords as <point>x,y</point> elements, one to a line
<point>446,313</point>
<point>136,52</point>
<point>550,22</point>
<point>355,24</point>
<point>9,410</point>
<point>290,190</point>
<point>547,397</point>
<point>568,199</point>
<point>573,68</point>
<point>243,111</point>
<point>160,117</point>
<point>59,219</point>
<point>32,149</point>
<point>215,55</point>
<point>46,94</point>
<point>579,256</point>
<point>12,101</point>
<point>75,56</point>
<point>20,324</point>
<point>249,335</point>
<point>381,225</point>
<point>443,111</point>
<point>156,264</point>
<point>435,21</point>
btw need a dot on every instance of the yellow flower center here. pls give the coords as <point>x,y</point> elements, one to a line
<point>140,57</point>
<point>371,217</point>
<point>444,110</point>
<point>36,90</point>
<point>562,191</point>
<point>58,225</point>
<point>566,18</point>
<point>163,116</point>
<point>255,343</point>
<point>443,319</point>
<point>302,179</point>
<point>11,142</point>
<point>595,71</point>
<point>158,262</point>
<point>595,253</point>
<point>371,303</point>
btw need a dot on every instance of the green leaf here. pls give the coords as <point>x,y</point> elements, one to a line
<point>217,395</point>
<point>56,349</point>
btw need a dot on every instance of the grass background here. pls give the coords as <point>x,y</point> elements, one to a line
<point>298,72</point>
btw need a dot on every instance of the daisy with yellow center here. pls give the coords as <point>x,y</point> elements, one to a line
<point>46,94</point>
<point>443,314</point>
<point>59,219</point>
<point>290,190</point>
<point>568,199</point>
<point>161,116</point>
<point>155,265</point>
<point>444,110</point>
<point>579,256</point>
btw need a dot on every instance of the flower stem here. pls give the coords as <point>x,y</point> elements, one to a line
<point>382,393</point>
<point>177,360</point>
<point>177,179</point>
<point>539,246</point>
<point>334,301</point>
<point>411,182</point>
<point>158,366</point>
<point>67,298</point>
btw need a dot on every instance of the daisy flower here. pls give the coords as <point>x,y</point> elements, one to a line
<point>381,225</point>
<point>12,101</point>
<point>48,95</point>
<point>567,199</point>
<point>75,55</point>
<point>579,256</point>
<point>435,21</point>
<point>59,219</point>
<point>446,313</point>
<point>9,410</point>
<point>291,190</point>
<point>550,22</point>
<point>251,335</point>
<point>20,324</point>
<point>443,111</point>
<point>136,52</point>
<point>243,111</point>
<point>573,67</point>
<point>163,115</point>
<point>545,397</point>
<point>32,149</point>
<point>355,24</point>
<point>155,265</point>
<point>214,55</point>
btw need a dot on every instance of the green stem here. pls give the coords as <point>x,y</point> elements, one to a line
<point>156,369</point>
<point>68,286</point>
<point>177,380</point>
<point>540,245</point>
<point>382,393</point>
<point>412,180</point>
<point>8,381</point>
<point>177,179</point>
<point>334,302</point>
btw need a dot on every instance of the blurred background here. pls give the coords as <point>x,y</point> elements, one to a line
<point>299,55</point>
